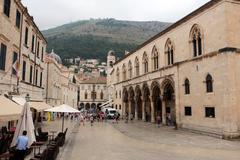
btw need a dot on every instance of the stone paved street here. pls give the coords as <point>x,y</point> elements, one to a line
<point>141,141</point>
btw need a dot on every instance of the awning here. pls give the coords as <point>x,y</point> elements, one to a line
<point>9,110</point>
<point>39,106</point>
<point>106,103</point>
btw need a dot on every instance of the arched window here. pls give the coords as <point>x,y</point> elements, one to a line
<point>209,83</point>
<point>118,75</point>
<point>187,86</point>
<point>145,63</point>
<point>137,67</point>
<point>130,69</point>
<point>196,40</point>
<point>124,72</point>
<point>155,58</point>
<point>169,50</point>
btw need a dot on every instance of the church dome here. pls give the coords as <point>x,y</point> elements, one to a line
<point>55,56</point>
<point>111,53</point>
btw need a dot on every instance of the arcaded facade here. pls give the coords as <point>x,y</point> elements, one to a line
<point>188,73</point>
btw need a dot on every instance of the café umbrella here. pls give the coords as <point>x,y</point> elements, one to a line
<point>25,123</point>
<point>64,108</point>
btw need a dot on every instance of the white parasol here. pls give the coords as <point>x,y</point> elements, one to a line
<point>25,123</point>
<point>64,108</point>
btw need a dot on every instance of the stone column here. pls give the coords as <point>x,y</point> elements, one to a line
<point>164,112</point>
<point>136,109</point>
<point>143,110</point>
<point>123,109</point>
<point>152,110</point>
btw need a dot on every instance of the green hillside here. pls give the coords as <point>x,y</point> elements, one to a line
<point>95,37</point>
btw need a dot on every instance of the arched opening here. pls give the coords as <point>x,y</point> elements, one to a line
<point>147,103</point>
<point>138,102</point>
<point>81,106</point>
<point>156,100</point>
<point>131,107</point>
<point>98,106</point>
<point>125,102</point>
<point>93,106</point>
<point>169,99</point>
<point>87,106</point>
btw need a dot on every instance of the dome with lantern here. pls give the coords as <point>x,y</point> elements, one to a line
<point>55,56</point>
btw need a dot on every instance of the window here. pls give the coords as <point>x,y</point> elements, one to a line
<point>116,107</point>
<point>188,111</point>
<point>187,86</point>
<point>7,5</point>
<point>101,95</point>
<point>3,51</point>
<point>120,107</point>
<point>26,36</point>
<point>86,95</point>
<point>15,58</point>
<point>130,69</point>
<point>169,50</point>
<point>145,63</point>
<point>33,41</point>
<point>196,40</point>
<point>210,112</point>
<point>118,75</point>
<point>209,83</point>
<point>116,94</point>
<point>137,67</point>
<point>18,19</point>
<point>38,45</point>
<point>42,53</point>
<point>30,76</point>
<point>36,78</point>
<point>155,58</point>
<point>124,72</point>
<point>120,94</point>
<point>41,79</point>
<point>24,71</point>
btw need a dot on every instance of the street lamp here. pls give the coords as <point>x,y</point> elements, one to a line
<point>27,98</point>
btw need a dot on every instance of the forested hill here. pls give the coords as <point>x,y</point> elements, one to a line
<point>95,37</point>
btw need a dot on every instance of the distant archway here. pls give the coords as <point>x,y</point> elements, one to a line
<point>147,103</point>
<point>156,99</point>
<point>138,97</point>
<point>87,106</point>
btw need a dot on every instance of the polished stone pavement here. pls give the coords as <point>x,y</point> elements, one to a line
<point>143,141</point>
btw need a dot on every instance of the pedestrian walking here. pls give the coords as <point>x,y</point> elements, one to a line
<point>169,119</point>
<point>21,146</point>
<point>158,120</point>
<point>126,118</point>
<point>82,120</point>
<point>131,117</point>
<point>91,120</point>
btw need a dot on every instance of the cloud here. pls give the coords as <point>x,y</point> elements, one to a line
<point>52,13</point>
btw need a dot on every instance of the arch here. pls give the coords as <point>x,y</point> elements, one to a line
<point>209,83</point>
<point>196,39</point>
<point>87,106</point>
<point>147,103</point>
<point>81,106</point>
<point>155,58</point>
<point>131,94</point>
<point>137,70</point>
<point>145,62</point>
<point>156,99</point>
<point>130,69</point>
<point>98,106</point>
<point>125,95</point>
<point>169,50</point>
<point>187,86</point>
<point>169,99</point>
<point>138,101</point>
<point>93,106</point>
<point>124,72</point>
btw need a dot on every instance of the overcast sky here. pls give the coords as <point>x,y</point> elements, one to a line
<point>52,13</point>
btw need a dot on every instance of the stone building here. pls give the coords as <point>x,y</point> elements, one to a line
<point>22,51</point>
<point>61,84</point>
<point>93,93</point>
<point>189,72</point>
